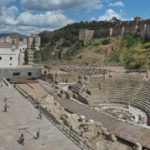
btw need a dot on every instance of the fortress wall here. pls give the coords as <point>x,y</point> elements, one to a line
<point>148,31</point>
<point>140,28</point>
<point>101,33</point>
<point>130,29</point>
<point>86,36</point>
<point>81,34</point>
<point>117,31</point>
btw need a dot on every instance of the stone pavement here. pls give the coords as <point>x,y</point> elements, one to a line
<point>22,118</point>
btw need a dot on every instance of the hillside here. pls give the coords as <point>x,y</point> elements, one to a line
<point>20,36</point>
<point>63,46</point>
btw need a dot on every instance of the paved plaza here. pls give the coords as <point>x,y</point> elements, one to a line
<point>21,118</point>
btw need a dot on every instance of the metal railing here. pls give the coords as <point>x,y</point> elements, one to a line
<point>71,134</point>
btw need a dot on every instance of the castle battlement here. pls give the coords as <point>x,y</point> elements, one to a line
<point>117,27</point>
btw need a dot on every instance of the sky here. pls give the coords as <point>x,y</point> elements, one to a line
<point>34,16</point>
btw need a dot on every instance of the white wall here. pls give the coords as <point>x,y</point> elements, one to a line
<point>8,58</point>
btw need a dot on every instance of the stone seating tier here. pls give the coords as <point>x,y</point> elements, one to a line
<point>123,90</point>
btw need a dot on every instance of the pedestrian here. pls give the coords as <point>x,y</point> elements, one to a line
<point>5,107</point>
<point>5,100</point>
<point>40,115</point>
<point>37,134</point>
<point>21,139</point>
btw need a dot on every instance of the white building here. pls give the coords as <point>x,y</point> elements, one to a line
<point>8,39</point>
<point>9,55</point>
<point>2,39</point>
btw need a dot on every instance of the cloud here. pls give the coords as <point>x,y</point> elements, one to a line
<point>33,16</point>
<point>27,30</point>
<point>8,11</point>
<point>7,15</point>
<point>117,4</point>
<point>109,14</point>
<point>47,5</point>
<point>27,16</point>
<point>53,19</point>
<point>27,22</point>
<point>4,2</point>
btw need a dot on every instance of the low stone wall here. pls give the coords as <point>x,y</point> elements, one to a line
<point>20,72</point>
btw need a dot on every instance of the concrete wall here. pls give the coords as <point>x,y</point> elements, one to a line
<point>29,72</point>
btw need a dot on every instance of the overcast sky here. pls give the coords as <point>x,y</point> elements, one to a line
<point>34,16</point>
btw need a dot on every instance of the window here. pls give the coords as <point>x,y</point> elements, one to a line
<point>10,64</point>
<point>16,74</point>
<point>0,58</point>
<point>10,58</point>
<point>29,73</point>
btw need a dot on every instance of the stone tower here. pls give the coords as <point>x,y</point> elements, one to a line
<point>86,36</point>
<point>145,29</point>
<point>30,52</point>
<point>111,32</point>
<point>37,42</point>
<point>122,31</point>
<point>33,44</point>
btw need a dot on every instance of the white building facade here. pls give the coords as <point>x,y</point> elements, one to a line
<point>9,56</point>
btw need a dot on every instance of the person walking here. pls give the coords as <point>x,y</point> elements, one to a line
<point>21,139</point>
<point>5,107</point>
<point>5,104</point>
<point>5,100</point>
<point>40,115</point>
<point>37,134</point>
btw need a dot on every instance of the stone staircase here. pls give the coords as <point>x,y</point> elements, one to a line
<point>126,89</point>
